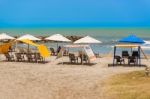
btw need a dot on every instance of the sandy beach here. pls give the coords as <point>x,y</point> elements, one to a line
<point>20,80</point>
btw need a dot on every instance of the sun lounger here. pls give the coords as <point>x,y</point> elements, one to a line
<point>83,57</point>
<point>38,57</point>
<point>73,58</point>
<point>125,54</point>
<point>19,57</point>
<point>132,59</point>
<point>31,57</point>
<point>9,57</point>
<point>135,54</point>
<point>119,60</point>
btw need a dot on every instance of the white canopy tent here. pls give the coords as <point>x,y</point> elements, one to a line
<point>4,36</point>
<point>29,37</point>
<point>58,38</point>
<point>85,49</point>
<point>87,40</point>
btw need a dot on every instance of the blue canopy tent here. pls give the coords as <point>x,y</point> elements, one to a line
<point>128,40</point>
<point>131,39</point>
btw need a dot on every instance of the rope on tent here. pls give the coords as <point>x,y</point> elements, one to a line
<point>147,69</point>
<point>144,55</point>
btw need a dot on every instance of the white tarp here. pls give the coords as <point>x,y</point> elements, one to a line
<point>87,40</point>
<point>29,37</point>
<point>58,37</point>
<point>4,36</point>
<point>90,53</point>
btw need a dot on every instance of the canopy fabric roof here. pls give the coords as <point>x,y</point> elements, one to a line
<point>27,41</point>
<point>58,38</point>
<point>131,39</point>
<point>41,48</point>
<point>87,40</point>
<point>29,37</point>
<point>127,45</point>
<point>4,36</point>
<point>4,48</point>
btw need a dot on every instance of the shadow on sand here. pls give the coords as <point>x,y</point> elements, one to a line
<point>126,65</point>
<point>69,63</point>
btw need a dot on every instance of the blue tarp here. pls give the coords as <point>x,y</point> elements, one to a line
<point>131,39</point>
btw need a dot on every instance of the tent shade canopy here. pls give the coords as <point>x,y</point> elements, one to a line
<point>58,38</point>
<point>87,40</point>
<point>41,48</point>
<point>131,39</point>
<point>127,45</point>
<point>28,37</point>
<point>4,36</point>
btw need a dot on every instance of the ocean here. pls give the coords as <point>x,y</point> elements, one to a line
<point>106,35</point>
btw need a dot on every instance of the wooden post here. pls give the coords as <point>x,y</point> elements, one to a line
<point>28,48</point>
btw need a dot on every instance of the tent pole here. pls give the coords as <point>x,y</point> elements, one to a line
<point>16,45</point>
<point>82,58</point>
<point>57,45</point>
<point>143,54</point>
<point>62,56</point>
<point>28,48</point>
<point>139,55</point>
<point>114,55</point>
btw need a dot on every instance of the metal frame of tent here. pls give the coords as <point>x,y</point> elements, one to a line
<point>129,46</point>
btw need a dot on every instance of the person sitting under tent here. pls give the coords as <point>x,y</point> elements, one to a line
<point>58,49</point>
<point>52,51</point>
<point>73,58</point>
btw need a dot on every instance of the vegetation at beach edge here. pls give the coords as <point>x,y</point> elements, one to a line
<point>133,85</point>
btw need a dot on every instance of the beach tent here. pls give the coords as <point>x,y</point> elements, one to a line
<point>41,48</point>
<point>58,38</point>
<point>29,37</point>
<point>131,39</point>
<point>85,48</point>
<point>4,36</point>
<point>130,46</point>
<point>87,40</point>
<point>4,48</point>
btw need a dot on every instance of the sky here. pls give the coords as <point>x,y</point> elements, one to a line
<point>101,13</point>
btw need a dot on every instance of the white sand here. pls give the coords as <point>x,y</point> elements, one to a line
<point>52,81</point>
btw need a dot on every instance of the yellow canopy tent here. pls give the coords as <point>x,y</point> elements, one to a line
<point>41,48</point>
<point>4,48</point>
